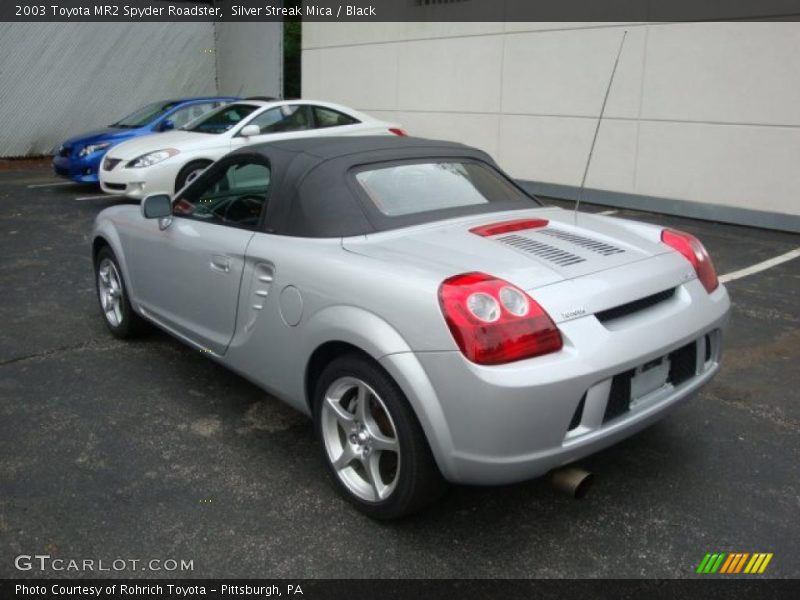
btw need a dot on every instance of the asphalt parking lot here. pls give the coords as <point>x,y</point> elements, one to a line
<point>148,450</point>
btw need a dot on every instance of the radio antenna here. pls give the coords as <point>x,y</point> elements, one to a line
<point>597,127</point>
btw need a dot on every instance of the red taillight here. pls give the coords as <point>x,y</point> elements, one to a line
<point>494,322</point>
<point>397,131</point>
<point>695,253</point>
<point>509,226</point>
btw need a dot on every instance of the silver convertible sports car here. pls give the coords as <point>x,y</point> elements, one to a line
<point>436,321</point>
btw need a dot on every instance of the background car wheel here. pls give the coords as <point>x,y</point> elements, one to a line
<point>120,318</point>
<point>371,440</point>
<point>189,173</point>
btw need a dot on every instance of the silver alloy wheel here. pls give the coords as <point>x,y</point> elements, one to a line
<point>109,284</point>
<point>360,439</point>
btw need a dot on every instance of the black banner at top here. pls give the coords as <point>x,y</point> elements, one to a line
<point>373,11</point>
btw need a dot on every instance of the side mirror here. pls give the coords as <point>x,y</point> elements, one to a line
<point>250,131</point>
<point>157,206</point>
<point>166,125</point>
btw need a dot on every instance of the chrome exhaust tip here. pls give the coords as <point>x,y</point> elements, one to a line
<point>572,481</point>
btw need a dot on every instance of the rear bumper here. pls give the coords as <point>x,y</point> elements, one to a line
<point>508,423</point>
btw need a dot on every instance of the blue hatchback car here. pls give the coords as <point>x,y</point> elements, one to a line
<point>79,157</point>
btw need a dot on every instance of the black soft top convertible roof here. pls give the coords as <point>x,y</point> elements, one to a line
<point>313,193</point>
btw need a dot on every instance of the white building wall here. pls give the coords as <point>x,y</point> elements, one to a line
<point>702,119</point>
<point>250,59</point>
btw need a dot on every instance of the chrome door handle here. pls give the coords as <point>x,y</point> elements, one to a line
<point>220,263</point>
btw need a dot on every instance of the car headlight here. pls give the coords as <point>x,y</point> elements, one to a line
<point>92,148</point>
<point>151,158</point>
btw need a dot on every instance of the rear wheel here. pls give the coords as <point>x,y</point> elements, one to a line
<point>118,314</point>
<point>189,173</point>
<point>372,442</point>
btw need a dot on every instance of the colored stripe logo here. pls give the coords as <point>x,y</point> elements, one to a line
<point>734,563</point>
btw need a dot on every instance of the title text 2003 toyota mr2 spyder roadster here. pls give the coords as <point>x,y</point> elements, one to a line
<point>435,320</point>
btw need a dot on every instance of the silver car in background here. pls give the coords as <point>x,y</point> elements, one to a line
<point>436,321</point>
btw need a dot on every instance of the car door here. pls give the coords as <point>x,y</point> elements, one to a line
<point>187,275</point>
<point>219,129</point>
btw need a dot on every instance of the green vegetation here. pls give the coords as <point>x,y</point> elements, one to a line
<point>292,41</point>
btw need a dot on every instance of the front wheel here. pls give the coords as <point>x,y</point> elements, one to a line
<point>189,173</point>
<point>372,442</point>
<point>118,314</point>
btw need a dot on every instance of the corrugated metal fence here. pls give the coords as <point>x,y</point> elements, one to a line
<point>61,79</point>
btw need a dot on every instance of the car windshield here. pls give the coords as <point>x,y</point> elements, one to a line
<point>409,189</point>
<point>221,120</point>
<point>146,115</point>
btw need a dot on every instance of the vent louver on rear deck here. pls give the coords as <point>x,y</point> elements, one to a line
<point>542,250</point>
<point>583,241</point>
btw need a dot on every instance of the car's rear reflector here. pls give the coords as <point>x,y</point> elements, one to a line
<point>508,226</point>
<point>397,131</point>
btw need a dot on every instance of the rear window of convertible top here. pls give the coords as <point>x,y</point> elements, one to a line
<point>407,189</point>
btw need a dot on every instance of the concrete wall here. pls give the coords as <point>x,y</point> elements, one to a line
<point>250,59</point>
<point>61,79</point>
<point>702,119</point>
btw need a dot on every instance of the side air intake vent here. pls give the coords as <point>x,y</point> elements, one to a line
<point>545,251</point>
<point>583,241</point>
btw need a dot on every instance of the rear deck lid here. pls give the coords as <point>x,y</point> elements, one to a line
<point>566,247</point>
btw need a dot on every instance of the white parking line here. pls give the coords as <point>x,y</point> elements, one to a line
<point>762,266</point>
<point>98,197</point>
<point>38,185</point>
<point>608,212</point>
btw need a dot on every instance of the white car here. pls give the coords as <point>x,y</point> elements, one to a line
<point>167,162</point>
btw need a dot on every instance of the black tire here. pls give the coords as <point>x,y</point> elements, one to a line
<point>418,480</point>
<point>129,323</point>
<point>187,170</point>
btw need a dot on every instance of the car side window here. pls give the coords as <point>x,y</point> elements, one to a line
<point>327,117</point>
<point>187,114</point>
<point>283,119</point>
<point>222,120</point>
<point>235,196</point>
